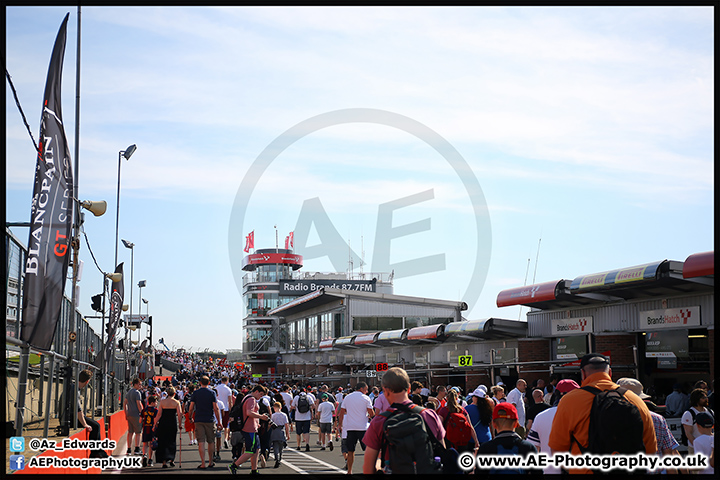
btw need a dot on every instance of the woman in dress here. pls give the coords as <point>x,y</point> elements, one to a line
<point>167,425</point>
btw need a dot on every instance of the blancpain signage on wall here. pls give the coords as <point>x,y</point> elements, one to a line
<point>670,318</point>
<point>572,326</point>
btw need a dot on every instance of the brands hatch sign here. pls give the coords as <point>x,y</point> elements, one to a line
<point>572,326</point>
<point>670,318</point>
<point>332,244</point>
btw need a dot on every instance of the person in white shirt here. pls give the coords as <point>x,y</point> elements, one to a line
<point>224,395</point>
<point>698,404</point>
<point>281,434</point>
<point>539,434</point>
<point>355,414</point>
<point>325,414</point>
<point>288,398</point>
<point>705,442</point>
<point>517,398</point>
<point>303,419</point>
<point>218,434</point>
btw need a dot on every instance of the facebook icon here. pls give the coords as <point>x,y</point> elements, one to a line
<point>17,462</point>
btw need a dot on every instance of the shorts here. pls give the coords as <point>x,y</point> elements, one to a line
<point>148,436</point>
<point>353,436</point>
<point>343,446</point>
<point>134,425</point>
<point>189,426</point>
<point>204,432</point>
<point>252,441</point>
<point>302,426</point>
<point>225,414</point>
<point>326,428</point>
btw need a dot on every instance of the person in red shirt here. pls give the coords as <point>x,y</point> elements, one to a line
<point>250,424</point>
<point>395,384</point>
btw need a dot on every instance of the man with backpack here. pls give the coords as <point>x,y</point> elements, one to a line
<point>698,404</point>
<point>600,419</point>
<point>354,413</point>
<point>303,405</point>
<point>406,437</point>
<point>249,424</point>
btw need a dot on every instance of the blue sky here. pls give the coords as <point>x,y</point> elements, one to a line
<point>588,128</point>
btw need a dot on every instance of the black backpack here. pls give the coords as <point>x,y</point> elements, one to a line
<point>303,405</point>
<point>236,414</point>
<point>411,445</point>
<point>683,436</point>
<point>616,425</point>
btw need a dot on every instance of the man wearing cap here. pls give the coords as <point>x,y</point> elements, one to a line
<point>572,419</point>
<point>667,445</point>
<point>705,442</point>
<point>506,441</point>
<point>539,434</point>
<point>676,403</point>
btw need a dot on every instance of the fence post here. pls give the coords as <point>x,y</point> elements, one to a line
<point>51,381</point>
<point>22,388</point>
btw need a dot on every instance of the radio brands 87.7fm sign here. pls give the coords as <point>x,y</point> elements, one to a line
<point>334,247</point>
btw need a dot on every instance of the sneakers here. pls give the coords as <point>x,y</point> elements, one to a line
<point>128,452</point>
<point>277,464</point>
<point>263,461</point>
<point>307,447</point>
<point>137,451</point>
<point>330,446</point>
<point>298,447</point>
<point>145,461</point>
<point>318,443</point>
<point>254,472</point>
<point>150,462</point>
<point>233,468</point>
<point>322,448</point>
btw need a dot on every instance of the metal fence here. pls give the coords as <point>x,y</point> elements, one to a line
<point>27,363</point>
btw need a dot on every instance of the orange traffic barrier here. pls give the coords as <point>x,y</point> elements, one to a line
<point>118,425</point>
<point>81,435</point>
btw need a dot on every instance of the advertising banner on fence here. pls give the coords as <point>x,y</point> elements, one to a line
<point>51,214</point>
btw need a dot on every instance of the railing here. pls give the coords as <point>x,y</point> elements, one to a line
<point>88,345</point>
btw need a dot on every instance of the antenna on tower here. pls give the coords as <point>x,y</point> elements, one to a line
<point>350,260</point>
<point>362,255</point>
<point>527,270</point>
<point>537,257</point>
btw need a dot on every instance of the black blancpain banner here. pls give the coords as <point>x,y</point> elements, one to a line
<point>116,304</point>
<point>51,214</point>
<point>302,287</point>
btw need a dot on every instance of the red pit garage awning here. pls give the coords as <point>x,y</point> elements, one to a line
<point>428,333</point>
<point>542,292</point>
<point>699,265</point>
<point>327,343</point>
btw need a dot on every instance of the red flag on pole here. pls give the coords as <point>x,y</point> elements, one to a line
<point>291,237</point>
<point>249,242</point>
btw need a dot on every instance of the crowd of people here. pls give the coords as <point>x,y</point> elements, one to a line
<point>220,409</point>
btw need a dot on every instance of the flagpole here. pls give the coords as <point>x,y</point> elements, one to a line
<point>71,413</point>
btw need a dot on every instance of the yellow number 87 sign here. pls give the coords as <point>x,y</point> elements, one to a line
<point>465,360</point>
